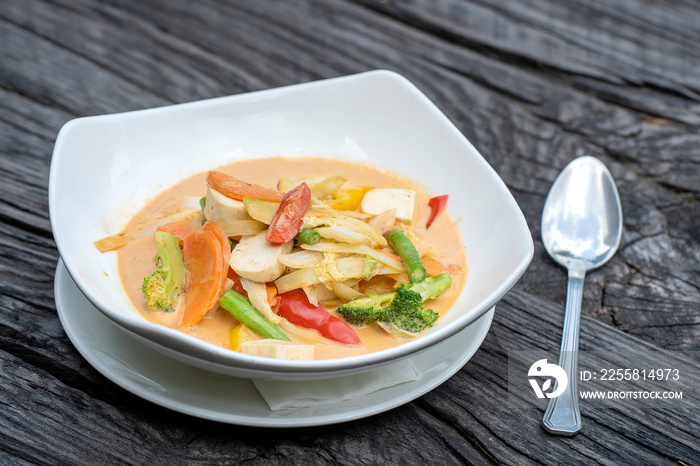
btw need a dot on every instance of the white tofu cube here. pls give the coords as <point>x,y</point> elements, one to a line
<point>222,208</point>
<point>278,349</point>
<point>231,215</point>
<point>380,200</point>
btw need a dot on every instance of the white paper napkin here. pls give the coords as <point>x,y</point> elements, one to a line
<point>294,394</point>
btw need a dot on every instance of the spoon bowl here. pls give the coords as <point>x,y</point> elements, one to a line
<point>582,217</point>
<point>581,230</point>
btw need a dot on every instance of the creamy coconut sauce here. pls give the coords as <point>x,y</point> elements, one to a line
<point>136,259</point>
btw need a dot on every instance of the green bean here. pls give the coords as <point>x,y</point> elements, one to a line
<point>410,257</point>
<point>308,236</point>
<point>244,312</point>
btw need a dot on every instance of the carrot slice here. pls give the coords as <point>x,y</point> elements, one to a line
<point>203,268</point>
<point>434,267</point>
<point>237,189</point>
<point>273,298</point>
<point>179,229</point>
<point>216,228</point>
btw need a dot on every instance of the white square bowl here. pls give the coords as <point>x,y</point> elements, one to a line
<point>105,168</point>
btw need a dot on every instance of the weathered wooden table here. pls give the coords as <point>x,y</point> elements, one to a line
<point>533,84</point>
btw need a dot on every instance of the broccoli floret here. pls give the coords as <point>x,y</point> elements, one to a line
<point>163,287</point>
<point>405,309</point>
<point>365,310</point>
<point>431,287</point>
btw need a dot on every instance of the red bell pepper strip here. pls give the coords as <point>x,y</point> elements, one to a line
<point>296,308</point>
<point>437,204</point>
<point>287,221</point>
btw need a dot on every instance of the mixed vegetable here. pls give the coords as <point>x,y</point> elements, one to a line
<point>311,261</point>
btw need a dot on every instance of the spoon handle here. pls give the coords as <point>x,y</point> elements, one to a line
<point>562,416</point>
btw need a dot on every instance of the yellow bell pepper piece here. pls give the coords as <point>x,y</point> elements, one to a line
<point>348,199</point>
<point>239,335</point>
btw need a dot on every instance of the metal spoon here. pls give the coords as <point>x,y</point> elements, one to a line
<point>581,229</point>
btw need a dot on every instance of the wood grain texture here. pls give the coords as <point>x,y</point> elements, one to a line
<point>532,84</point>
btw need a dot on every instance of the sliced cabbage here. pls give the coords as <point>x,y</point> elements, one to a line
<point>301,259</point>
<point>345,268</point>
<point>327,269</point>
<point>345,292</point>
<point>321,187</point>
<point>372,268</point>
<point>311,295</point>
<point>357,249</point>
<point>320,214</point>
<point>325,188</point>
<point>257,294</point>
<point>325,294</point>
<point>343,234</point>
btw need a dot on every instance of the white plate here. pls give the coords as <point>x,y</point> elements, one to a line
<point>187,389</point>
